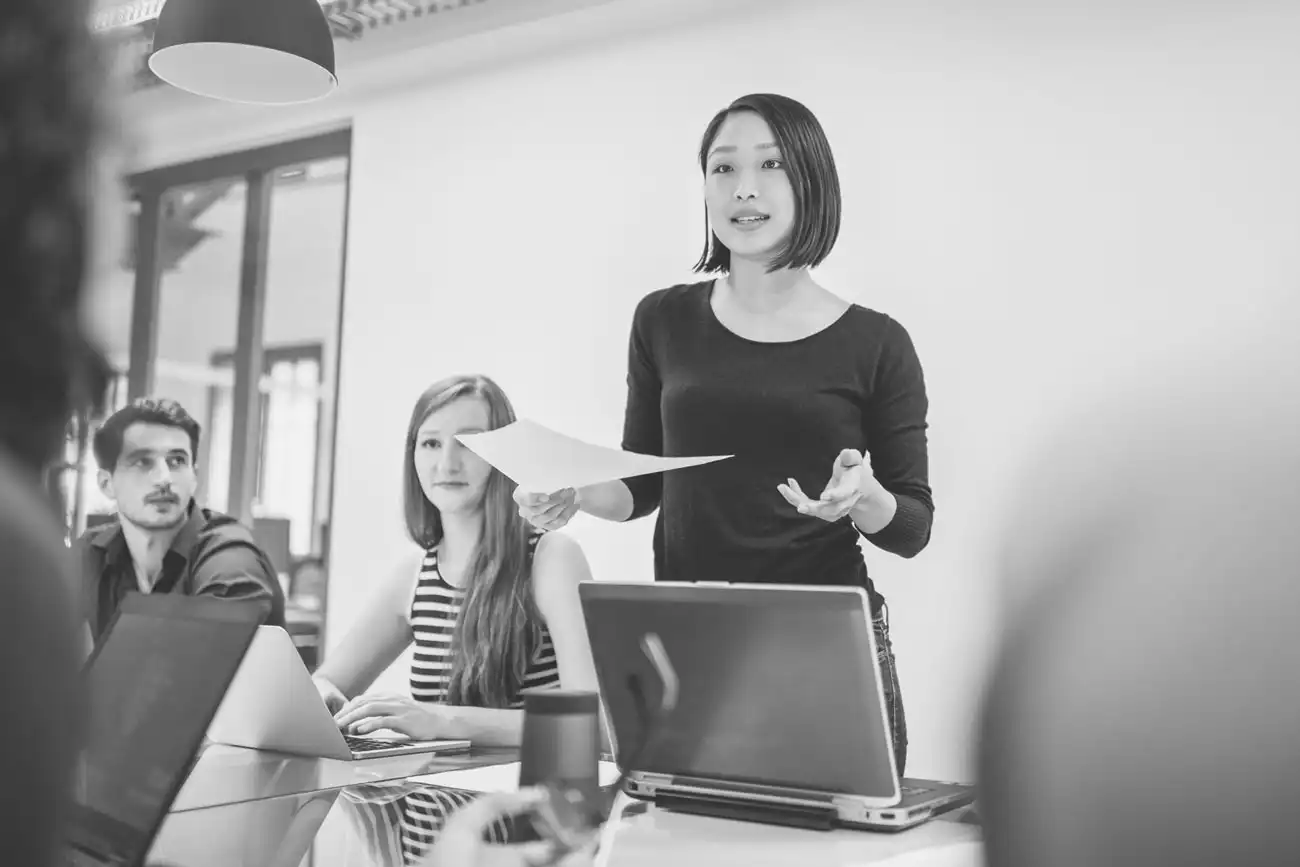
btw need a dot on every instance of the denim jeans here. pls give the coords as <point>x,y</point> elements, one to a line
<point>889,682</point>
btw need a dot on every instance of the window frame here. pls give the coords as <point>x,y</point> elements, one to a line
<point>256,167</point>
<point>271,356</point>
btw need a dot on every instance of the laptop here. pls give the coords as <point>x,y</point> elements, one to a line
<point>780,714</point>
<point>152,684</point>
<point>272,704</point>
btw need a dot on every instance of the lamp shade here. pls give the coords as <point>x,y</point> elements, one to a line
<point>269,52</point>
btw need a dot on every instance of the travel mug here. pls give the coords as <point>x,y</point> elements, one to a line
<point>561,740</point>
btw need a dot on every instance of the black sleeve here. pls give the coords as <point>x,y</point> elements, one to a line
<point>642,424</point>
<point>236,569</point>
<point>896,442</point>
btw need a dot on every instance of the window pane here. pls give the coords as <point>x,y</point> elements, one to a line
<point>291,423</point>
<point>300,345</point>
<point>201,251</point>
<point>111,299</point>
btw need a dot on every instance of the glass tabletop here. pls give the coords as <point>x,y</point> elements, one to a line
<point>361,825</point>
<point>368,824</point>
<point>225,775</point>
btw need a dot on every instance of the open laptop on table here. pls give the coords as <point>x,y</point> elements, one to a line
<point>274,705</point>
<point>780,714</point>
<point>153,684</point>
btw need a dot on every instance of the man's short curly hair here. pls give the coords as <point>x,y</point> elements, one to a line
<point>51,75</point>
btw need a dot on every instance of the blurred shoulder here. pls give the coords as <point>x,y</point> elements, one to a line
<point>39,571</point>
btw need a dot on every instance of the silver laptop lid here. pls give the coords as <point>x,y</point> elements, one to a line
<point>779,685</point>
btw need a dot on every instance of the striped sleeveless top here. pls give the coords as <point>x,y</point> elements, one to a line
<point>435,607</point>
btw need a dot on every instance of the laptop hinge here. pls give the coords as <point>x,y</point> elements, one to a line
<point>819,818</point>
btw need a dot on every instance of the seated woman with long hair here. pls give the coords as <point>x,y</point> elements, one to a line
<point>490,603</point>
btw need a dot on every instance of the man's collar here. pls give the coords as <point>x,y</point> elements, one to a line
<point>188,537</point>
<point>112,540</point>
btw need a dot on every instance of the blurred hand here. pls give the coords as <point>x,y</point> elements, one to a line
<point>370,713</point>
<point>330,694</point>
<point>461,843</point>
<point>851,482</point>
<point>547,511</point>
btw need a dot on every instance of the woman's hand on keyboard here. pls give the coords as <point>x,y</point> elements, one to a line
<point>371,713</point>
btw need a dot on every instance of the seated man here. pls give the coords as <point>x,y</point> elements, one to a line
<point>163,541</point>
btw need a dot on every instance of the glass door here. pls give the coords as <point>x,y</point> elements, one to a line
<point>237,294</point>
<point>199,262</point>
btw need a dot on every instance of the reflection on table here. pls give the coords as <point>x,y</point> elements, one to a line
<point>242,808</point>
<point>227,775</point>
<point>271,832</point>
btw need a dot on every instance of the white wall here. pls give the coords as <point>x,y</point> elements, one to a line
<point>1045,194</point>
<point>1042,197</point>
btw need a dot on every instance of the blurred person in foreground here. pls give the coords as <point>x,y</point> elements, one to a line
<point>50,126</point>
<point>59,178</point>
<point>1145,706</point>
<point>462,842</point>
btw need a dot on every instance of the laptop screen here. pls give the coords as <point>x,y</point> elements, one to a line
<point>153,685</point>
<point>777,685</point>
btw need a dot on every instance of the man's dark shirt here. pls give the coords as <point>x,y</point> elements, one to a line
<point>212,555</point>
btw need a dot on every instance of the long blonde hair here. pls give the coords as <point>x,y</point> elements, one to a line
<point>498,625</point>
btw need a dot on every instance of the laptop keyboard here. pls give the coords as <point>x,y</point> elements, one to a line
<point>365,745</point>
<point>914,790</point>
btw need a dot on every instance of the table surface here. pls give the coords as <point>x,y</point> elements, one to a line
<point>226,775</point>
<point>244,808</point>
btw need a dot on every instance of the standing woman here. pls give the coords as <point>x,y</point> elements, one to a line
<point>821,401</point>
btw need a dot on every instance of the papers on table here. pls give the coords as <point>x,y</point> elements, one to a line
<point>498,778</point>
<point>542,461</point>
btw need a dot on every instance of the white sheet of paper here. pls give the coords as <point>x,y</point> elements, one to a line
<point>542,461</point>
<point>498,778</point>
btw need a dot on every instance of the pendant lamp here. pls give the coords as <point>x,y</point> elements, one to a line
<point>267,52</point>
